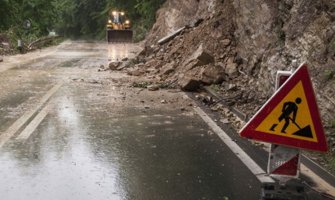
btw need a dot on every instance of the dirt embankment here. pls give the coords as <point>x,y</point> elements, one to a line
<point>237,46</point>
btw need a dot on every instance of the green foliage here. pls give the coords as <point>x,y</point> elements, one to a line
<point>329,159</point>
<point>143,84</point>
<point>13,13</point>
<point>40,12</point>
<point>216,87</point>
<point>148,9</point>
<point>332,123</point>
<point>328,75</point>
<point>88,17</point>
<point>74,18</point>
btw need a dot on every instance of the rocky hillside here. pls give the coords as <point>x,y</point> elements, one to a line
<point>238,45</point>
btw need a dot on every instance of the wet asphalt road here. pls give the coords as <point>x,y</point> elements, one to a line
<point>96,138</point>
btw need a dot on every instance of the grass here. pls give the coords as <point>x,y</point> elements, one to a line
<point>330,160</point>
<point>164,85</point>
<point>328,75</point>
<point>332,123</point>
<point>143,84</point>
<point>216,87</point>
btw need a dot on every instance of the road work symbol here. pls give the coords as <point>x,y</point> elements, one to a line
<point>289,113</point>
<point>290,117</point>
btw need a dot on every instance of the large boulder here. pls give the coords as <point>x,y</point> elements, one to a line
<point>212,74</point>
<point>189,84</point>
<point>137,70</point>
<point>201,56</point>
<point>114,65</point>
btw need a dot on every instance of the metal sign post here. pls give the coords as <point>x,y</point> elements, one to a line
<point>291,118</point>
<point>283,161</point>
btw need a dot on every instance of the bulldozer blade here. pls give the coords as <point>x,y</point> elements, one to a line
<point>119,36</point>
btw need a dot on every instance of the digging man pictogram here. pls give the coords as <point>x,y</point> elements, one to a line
<point>288,109</point>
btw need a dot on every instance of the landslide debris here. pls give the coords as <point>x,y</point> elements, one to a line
<point>192,57</point>
<point>237,46</point>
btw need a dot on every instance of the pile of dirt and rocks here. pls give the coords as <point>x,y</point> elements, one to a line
<point>193,56</point>
<point>237,46</point>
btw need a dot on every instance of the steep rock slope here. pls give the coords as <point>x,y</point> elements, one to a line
<point>175,14</point>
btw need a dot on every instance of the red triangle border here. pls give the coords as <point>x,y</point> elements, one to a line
<point>249,130</point>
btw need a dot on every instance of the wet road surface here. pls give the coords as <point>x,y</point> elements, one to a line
<point>71,132</point>
<point>94,138</point>
<point>89,149</point>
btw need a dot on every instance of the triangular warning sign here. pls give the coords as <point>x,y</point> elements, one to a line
<point>290,117</point>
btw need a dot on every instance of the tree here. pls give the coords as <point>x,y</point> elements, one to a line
<point>74,18</point>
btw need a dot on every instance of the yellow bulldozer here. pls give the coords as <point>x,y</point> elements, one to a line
<point>118,27</point>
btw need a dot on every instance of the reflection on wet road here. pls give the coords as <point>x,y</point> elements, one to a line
<point>100,141</point>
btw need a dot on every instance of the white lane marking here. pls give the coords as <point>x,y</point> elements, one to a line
<point>245,158</point>
<point>320,184</point>
<point>25,134</point>
<point>4,137</point>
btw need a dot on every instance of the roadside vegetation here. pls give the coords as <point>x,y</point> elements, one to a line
<point>76,19</point>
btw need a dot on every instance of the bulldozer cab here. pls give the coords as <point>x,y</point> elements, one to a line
<point>117,17</point>
<point>118,27</point>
